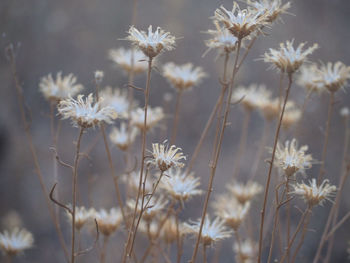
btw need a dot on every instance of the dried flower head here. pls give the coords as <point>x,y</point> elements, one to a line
<point>129,60</point>
<point>345,112</point>
<point>271,9</point>
<point>82,215</point>
<point>180,185</point>
<point>150,229</point>
<point>132,180</point>
<point>245,251</point>
<point>118,100</point>
<point>153,209</point>
<point>123,137</point>
<point>241,23</point>
<point>290,117</point>
<point>99,76</point>
<point>84,113</point>
<point>245,192</point>
<point>230,210</point>
<point>108,221</point>
<point>271,110</point>
<point>212,230</point>
<point>222,39</point>
<point>287,58</point>
<point>16,241</point>
<point>253,97</point>
<point>165,157</point>
<point>151,43</point>
<point>183,77</point>
<point>61,88</point>
<point>308,79</point>
<point>315,194</point>
<point>292,159</point>
<point>334,76</point>
<point>154,116</point>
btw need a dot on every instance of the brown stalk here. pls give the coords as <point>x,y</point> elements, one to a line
<point>74,192</point>
<point>301,241</point>
<point>204,250</point>
<point>288,216</point>
<point>270,167</point>
<point>176,117</point>
<point>114,177</point>
<point>104,249</point>
<point>325,144</point>
<point>26,123</point>
<point>128,250</point>
<point>217,154</point>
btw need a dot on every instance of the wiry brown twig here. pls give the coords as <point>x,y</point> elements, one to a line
<point>85,251</point>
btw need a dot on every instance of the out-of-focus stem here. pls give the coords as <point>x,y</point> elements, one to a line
<point>176,117</point>
<point>104,249</point>
<point>270,167</point>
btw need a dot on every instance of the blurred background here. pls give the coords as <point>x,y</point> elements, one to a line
<point>75,36</point>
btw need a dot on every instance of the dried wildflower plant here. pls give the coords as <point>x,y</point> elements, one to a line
<point>245,251</point>
<point>151,43</point>
<point>130,60</point>
<point>108,221</point>
<point>16,241</point>
<point>165,157</point>
<point>309,79</point>
<point>124,136</point>
<point>82,215</point>
<point>315,194</point>
<point>154,116</point>
<point>154,208</point>
<point>212,230</point>
<point>60,88</point>
<point>245,192</point>
<point>270,9</point>
<point>183,77</point>
<point>333,76</point>
<point>86,113</point>
<point>288,59</point>
<point>292,159</point>
<point>222,39</point>
<point>180,185</point>
<point>241,23</point>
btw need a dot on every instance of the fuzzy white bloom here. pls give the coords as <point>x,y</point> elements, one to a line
<point>151,43</point>
<point>155,206</point>
<point>165,157</point>
<point>16,241</point>
<point>212,230</point>
<point>241,23</point>
<point>290,117</point>
<point>315,194</point>
<point>245,192</point>
<point>84,113</point>
<point>108,221</point>
<point>123,137</point>
<point>292,159</point>
<point>230,210</point>
<point>334,76</point>
<point>253,97</point>
<point>183,77</point>
<point>180,185</point>
<point>61,88</point>
<point>222,39</point>
<point>154,116</point>
<point>132,180</point>
<point>118,100</point>
<point>129,60</point>
<point>271,9</point>
<point>345,112</point>
<point>99,75</point>
<point>82,215</point>
<point>287,58</point>
<point>308,79</point>
<point>245,251</point>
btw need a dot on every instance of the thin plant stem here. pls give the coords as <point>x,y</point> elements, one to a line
<point>288,216</point>
<point>300,224</point>
<point>26,124</point>
<point>114,177</point>
<point>104,250</point>
<point>301,241</point>
<point>176,117</point>
<point>217,154</point>
<point>325,144</point>
<point>339,224</point>
<point>216,111</point>
<point>204,250</point>
<point>178,237</point>
<point>128,250</point>
<point>303,109</point>
<point>259,153</point>
<point>270,167</point>
<point>74,192</point>
<point>239,243</point>
<point>342,180</point>
<point>242,143</point>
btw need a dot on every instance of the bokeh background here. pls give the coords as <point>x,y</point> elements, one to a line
<point>75,36</point>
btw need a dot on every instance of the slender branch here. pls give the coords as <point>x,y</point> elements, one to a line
<point>301,241</point>
<point>270,167</point>
<point>85,251</point>
<point>218,149</point>
<point>26,124</point>
<point>104,249</point>
<point>57,202</point>
<point>325,144</point>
